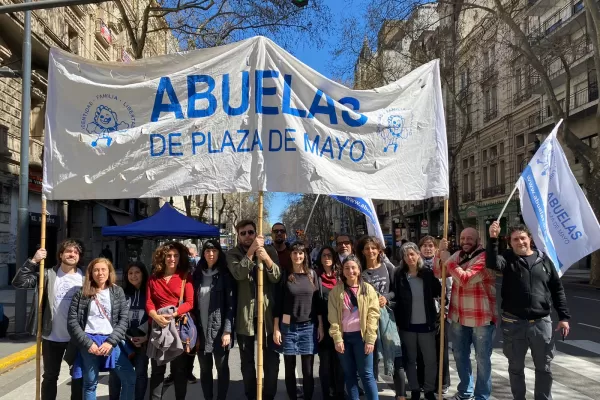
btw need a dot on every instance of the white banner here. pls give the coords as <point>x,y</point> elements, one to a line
<point>562,223</point>
<point>238,118</point>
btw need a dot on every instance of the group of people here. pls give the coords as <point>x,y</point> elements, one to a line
<point>352,307</point>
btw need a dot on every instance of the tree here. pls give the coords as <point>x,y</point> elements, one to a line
<point>527,38</point>
<point>209,23</point>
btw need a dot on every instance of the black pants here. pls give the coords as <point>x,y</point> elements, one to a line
<point>331,374</point>
<point>270,367</point>
<point>308,380</point>
<point>190,364</point>
<point>52,354</point>
<point>446,372</point>
<point>399,377</point>
<point>179,373</point>
<point>221,357</point>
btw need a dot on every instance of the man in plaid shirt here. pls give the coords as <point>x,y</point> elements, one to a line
<point>472,313</point>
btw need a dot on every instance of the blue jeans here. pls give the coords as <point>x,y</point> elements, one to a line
<point>482,338</point>
<point>355,360</point>
<point>140,364</point>
<point>91,371</point>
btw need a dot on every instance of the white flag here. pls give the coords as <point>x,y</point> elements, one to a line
<point>243,117</point>
<point>366,207</point>
<point>555,209</point>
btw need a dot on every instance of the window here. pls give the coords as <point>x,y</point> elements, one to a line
<point>520,163</point>
<point>519,141</point>
<point>501,149</point>
<point>518,80</point>
<point>465,164</point>
<point>484,156</point>
<point>472,181</point>
<point>465,184</point>
<point>501,175</point>
<point>472,161</point>
<point>493,152</point>
<point>493,175</point>
<point>484,178</point>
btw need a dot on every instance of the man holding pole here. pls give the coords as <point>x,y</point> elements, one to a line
<point>61,283</point>
<point>472,313</point>
<point>242,262</point>
<point>530,287</point>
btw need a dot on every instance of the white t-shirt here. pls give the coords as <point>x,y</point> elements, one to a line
<point>65,286</point>
<point>96,321</point>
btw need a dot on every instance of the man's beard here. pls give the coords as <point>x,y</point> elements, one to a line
<point>470,249</point>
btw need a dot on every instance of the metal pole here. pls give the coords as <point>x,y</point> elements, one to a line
<point>23,210</point>
<point>44,4</point>
<point>212,202</point>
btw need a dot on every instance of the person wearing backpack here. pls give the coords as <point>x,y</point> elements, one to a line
<point>530,287</point>
<point>380,274</point>
<point>298,323</point>
<point>472,313</point>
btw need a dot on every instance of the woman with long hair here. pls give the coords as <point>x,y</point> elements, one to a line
<point>416,289</point>
<point>354,315</point>
<point>134,287</point>
<point>298,323</point>
<point>381,276</point>
<point>171,266</point>
<point>330,370</point>
<point>213,310</point>
<point>97,322</point>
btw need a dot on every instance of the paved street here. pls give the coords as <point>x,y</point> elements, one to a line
<point>576,367</point>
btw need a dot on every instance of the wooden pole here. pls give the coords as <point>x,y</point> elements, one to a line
<point>260,300</point>
<point>443,310</point>
<point>38,352</point>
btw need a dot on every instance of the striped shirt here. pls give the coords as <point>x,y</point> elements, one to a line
<point>473,299</point>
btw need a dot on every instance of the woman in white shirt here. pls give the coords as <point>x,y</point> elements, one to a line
<point>97,321</point>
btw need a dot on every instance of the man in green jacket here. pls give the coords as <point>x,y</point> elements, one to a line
<point>242,261</point>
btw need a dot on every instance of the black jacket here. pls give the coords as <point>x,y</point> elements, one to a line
<point>528,293</point>
<point>221,311</point>
<point>78,314</point>
<point>432,289</point>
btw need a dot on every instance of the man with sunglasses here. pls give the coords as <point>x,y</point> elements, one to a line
<point>343,244</point>
<point>242,261</point>
<point>279,234</point>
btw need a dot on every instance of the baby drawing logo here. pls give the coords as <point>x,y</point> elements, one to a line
<point>394,126</point>
<point>545,158</point>
<point>106,116</point>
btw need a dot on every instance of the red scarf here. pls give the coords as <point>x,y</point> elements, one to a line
<point>328,281</point>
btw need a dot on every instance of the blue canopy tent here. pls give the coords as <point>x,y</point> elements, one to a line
<point>166,223</point>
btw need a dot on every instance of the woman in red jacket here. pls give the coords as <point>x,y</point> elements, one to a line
<point>171,265</point>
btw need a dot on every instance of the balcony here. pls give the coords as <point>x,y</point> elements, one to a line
<point>81,10</point>
<point>577,56</point>
<point>36,152</point>
<point>493,191</point>
<point>559,21</point>
<point>103,33</point>
<point>538,7</point>
<point>468,197</point>
<point>522,95</point>
<point>488,73</point>
<point>490,114</point>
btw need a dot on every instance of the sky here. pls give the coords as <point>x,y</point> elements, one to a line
<point>320,60</point>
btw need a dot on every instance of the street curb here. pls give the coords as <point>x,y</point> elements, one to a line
<point>16,359</point>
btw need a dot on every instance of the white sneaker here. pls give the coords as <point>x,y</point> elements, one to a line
<point>457,396</point>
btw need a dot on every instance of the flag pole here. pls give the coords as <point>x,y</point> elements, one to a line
<point>260,301</point>
<point>507,201</point>
<point>38,351</point>
<point>443,310</point>
<point>311,213</point>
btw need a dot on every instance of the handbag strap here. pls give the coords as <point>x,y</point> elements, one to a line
<point>101,308</point>
<point>182,288</point>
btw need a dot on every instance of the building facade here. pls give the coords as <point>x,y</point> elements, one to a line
<point>91,31</point>
<point>497,111</point>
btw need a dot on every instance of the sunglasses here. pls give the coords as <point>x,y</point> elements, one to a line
<point>278,231</point>
<point>244,233</point>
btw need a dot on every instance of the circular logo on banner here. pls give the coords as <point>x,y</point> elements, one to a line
<point>393,125</point>
<point>104,117</point>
